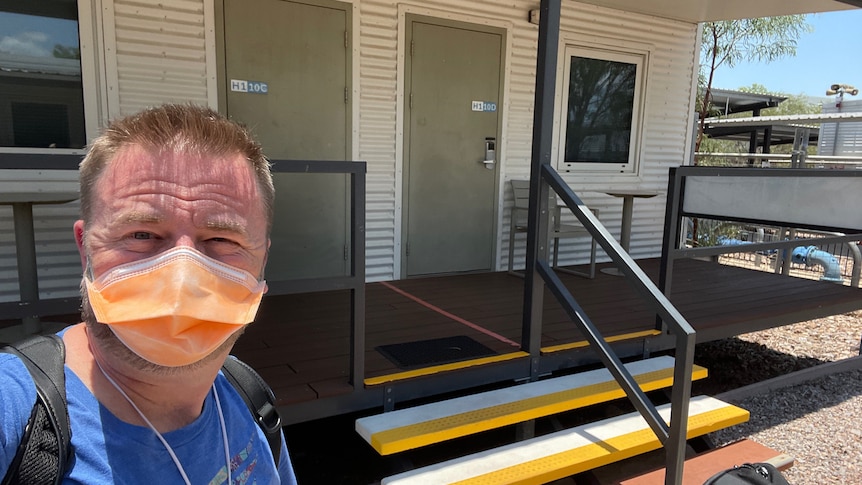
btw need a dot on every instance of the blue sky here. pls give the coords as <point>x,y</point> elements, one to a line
<point>832,54</point>
<point>35,36</point>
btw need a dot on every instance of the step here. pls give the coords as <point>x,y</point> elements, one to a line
<point>571,451</point>
<point>464,364</point>
<point>419,426</point>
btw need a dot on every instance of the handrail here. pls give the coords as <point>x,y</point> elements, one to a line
<point>673,437</point>
<point>537,270</point>
<point>355,281</point>
<point>676,200</point>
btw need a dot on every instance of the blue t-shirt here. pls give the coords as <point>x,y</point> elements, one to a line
<point>109,451</point>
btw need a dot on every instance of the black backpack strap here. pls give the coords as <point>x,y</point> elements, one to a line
<point>45,447</point>
<point>259,398</point>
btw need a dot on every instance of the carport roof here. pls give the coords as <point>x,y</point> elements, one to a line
<point>778,135</point>
<point>729,102</point>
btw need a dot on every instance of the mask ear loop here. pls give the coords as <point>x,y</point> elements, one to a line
<point>88,270</point>
<point>263,267</point>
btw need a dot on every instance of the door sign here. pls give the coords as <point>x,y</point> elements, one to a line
<point>486,106</point>
<point>253,87</point>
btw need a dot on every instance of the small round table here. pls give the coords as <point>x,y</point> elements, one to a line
<point>628,197</point>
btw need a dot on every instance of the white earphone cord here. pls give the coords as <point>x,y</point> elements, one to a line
<point>162,439</point>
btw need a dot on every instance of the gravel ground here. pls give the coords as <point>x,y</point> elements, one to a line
<point>818,422</point>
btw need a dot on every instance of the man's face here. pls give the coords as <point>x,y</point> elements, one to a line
<point>147,203</point>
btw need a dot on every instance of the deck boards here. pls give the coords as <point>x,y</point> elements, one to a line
<point>300,343</point>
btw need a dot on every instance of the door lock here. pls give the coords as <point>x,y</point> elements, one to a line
<point>490,152</point>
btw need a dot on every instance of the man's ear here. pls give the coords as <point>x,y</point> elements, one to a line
<point>78,228</point>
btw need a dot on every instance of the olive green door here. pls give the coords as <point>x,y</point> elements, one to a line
<point>452,90</point>
<point>287,68</point>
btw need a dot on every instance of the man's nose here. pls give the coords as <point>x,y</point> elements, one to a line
<point>186,240</point>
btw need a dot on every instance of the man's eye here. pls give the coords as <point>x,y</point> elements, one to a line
<point>142,235</point>
<point>222,240</point>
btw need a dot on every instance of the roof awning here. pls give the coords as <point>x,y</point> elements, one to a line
<point>708,10</point>
<point>729,102</point>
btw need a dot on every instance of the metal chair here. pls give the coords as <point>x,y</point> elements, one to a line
<point>556,229</point>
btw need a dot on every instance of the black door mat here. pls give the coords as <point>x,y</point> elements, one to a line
<point>423,353</point>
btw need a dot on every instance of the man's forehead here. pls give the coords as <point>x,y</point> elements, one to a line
<point>180,159</point>
<point>137,164</point>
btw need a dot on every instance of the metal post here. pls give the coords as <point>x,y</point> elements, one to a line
<point>671,236</point>
<point>25,248</point>
<point>679,412</point>
<point>537,220</point>
<point>357,271</point>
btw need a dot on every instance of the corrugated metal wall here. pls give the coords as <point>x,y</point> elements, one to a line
<point>157,53</point>
<point>670,47</point>
<point>849,135</point>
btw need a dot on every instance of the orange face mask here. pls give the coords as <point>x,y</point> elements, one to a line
<point>175,308</point>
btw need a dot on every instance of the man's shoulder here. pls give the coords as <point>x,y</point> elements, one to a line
<point>15,381</point>
<point>17,398</point>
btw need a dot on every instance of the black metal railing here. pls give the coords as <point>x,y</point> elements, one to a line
<point>354,280</point>
<point>672,437</point>
<point>542,179</point>
<point>815,199</point>
<point>32,308</point>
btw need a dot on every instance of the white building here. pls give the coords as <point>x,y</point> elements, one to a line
<point>415,89</point>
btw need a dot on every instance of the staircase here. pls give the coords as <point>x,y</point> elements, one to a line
<point>544,458</point>
<point>564,453</point>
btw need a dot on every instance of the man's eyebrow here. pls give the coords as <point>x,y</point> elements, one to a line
<point>136,217</point>
<point>226,226</point>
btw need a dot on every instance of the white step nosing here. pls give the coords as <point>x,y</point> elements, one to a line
<point>368,426</point>
<point>514,454</point>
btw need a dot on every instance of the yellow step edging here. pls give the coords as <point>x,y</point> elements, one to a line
<point>568,452</point>
<point>436,369</point>
<point>398,431</point>
<point>615,338</point>
<point>426,371</point>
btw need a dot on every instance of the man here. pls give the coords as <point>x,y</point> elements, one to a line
<point>176,209</point>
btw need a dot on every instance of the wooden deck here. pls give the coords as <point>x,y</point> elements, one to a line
<point>300,343</point>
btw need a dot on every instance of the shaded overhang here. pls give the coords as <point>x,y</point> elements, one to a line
<point>729,102</point>
<point>709,10</point>
<point>778,134</point>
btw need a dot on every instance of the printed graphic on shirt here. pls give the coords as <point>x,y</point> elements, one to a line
<point>242,466</point>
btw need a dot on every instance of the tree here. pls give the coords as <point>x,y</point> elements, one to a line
<point>728,42</point>
<point>66,52</point>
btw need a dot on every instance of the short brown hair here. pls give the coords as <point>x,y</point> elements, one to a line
<point>180,128</point>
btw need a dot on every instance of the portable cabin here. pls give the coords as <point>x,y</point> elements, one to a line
<point>430,104</point>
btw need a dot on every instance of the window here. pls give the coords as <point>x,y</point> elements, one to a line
<point>41,94</point>
<point>600,122</point>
